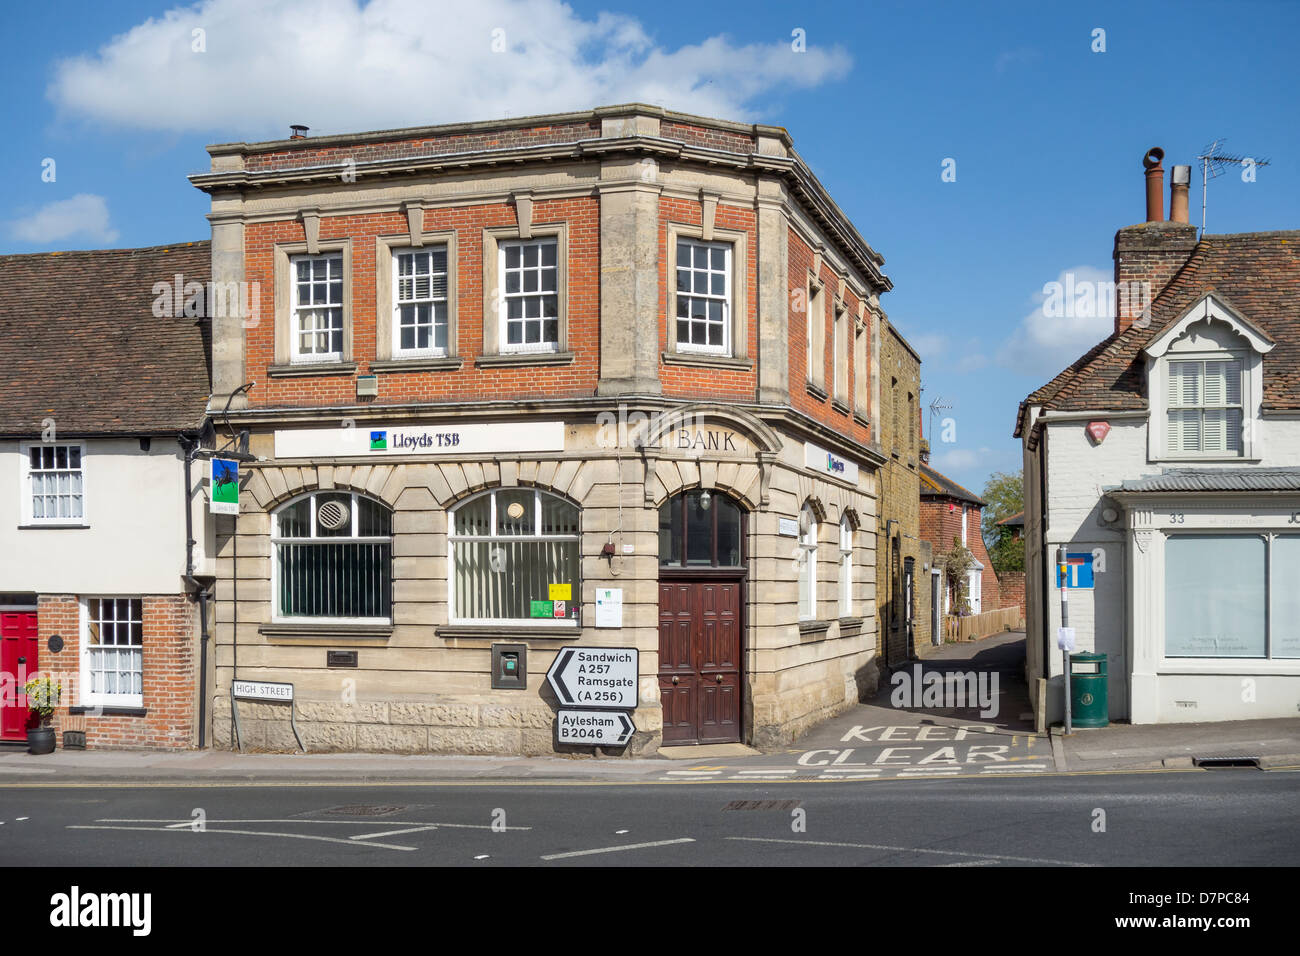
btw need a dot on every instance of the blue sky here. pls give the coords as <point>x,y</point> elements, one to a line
<point>1046,136</point>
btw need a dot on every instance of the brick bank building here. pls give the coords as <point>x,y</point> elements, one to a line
<point>605,378</point>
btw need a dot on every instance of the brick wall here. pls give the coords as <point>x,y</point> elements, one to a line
<point>582,293</point>
<point>821,409</point>
<point>709,383</point>
<point>469,141</point>
<point>169,636</point>
<point>939,526</point>
<point>1012,589</point>
<point>1150,253</point>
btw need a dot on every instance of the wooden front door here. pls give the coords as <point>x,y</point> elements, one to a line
<point>699,660</point>
<point>18,662</point>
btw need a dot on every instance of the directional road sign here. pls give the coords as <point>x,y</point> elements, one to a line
<point>596,677</point>
<point>595,728</point>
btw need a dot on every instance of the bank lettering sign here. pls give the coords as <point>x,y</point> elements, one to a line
<point>377,441</point>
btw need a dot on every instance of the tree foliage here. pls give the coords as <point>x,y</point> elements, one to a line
<point>1005,495</point>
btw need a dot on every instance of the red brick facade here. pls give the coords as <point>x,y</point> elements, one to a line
<point>941,522</point>
<point>170,629</point>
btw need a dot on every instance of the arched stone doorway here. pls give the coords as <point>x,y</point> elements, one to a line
<point>702,567</point>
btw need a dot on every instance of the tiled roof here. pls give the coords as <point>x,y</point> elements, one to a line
<point>1016,520</point>
<point>1257,272</point>
<point>80,344</point>
<point>936,485</point>
<point>1226,479</point>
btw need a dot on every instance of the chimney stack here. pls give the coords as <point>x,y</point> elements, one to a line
<point>1155,184</point>
<point>1149,254</point>
<point>1178,185</point>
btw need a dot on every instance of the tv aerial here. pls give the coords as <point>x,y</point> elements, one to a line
<point>936,407</point>
<point>1214,163</point>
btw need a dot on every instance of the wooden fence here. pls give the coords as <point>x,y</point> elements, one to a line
<point>974,626</point>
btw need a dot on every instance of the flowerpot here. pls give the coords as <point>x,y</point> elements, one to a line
<point>40,740</point>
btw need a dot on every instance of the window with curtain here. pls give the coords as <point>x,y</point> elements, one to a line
<point>113,651</point>
<point>516,557</point>
<point>333,558</point>
<point>1205,407</point>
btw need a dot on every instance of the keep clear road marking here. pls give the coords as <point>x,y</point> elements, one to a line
<point>616,849</point>
<point>345,823</point>
<point>912,849</point>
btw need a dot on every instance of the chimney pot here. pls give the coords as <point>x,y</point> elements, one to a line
<point>1178,185</point>
<point>1155,184</point>
<point>298,131</point>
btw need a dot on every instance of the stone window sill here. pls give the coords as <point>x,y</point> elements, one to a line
<point>326,632</point>
<point>433,363</point>
<point>507,630</point>
<point>817,392</point>
<point>312,368</point>
<point>862,420</point>
<point>813,630</point>
<point>109,711</point>
<point>51,525</point>
<point>840,406</point>
<point>506,359</point>
<point>707,360</point>
<point>851,625</point>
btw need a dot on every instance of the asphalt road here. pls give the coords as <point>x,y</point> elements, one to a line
<point>1191,818</point>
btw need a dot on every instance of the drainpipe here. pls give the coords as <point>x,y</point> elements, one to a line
<point>190,446</point>
<point>1043,509</point>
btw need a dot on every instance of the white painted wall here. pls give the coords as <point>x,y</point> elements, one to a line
<point>1115,618</point>
<point>135,542</point>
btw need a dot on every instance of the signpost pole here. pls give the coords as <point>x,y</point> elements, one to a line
<point>1064,565</point>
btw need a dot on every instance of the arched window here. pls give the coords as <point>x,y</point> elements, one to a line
<point>701,529</point>
<point>846,566</point>
<point>515,558</point>
<point>333,558</point>
<point>807,563</point>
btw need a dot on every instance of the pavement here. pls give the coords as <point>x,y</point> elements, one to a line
<point>960,712</point>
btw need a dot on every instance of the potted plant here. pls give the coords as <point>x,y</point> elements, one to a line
<point>42,697</point>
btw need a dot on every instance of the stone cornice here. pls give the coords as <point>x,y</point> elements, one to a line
<point>804,186</point>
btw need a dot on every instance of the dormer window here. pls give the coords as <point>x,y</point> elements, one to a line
<point>1204,411</point>
<point>1205,378</point>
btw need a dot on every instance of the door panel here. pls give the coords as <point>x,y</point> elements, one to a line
<point>18,662</point>
<point>699,660</point>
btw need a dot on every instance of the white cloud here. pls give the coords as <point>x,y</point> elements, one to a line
<point>959,459</point>
<point>349,65</point>
<point>1046,341</point>
<point>929,345</point>
<point>84,215</point>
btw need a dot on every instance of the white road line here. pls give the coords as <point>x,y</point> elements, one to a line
<point>909,772</point>
<point>767,773</point>
<point>260,833</point>
<point>1029,769</point>
<point>616,849</point>
<point>973,863</point>
<point>912,849</point>
<point>694,773</point>
<point>388,833</point>
<point>346,823</point>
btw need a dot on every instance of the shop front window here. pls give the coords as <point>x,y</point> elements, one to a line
<point>333,558</point>
<point>516,557</point>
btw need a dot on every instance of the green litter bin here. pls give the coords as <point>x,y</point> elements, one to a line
<point>1088,699</point>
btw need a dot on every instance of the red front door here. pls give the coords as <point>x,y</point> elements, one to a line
<point>699,661</point>
<point>17,663</point>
